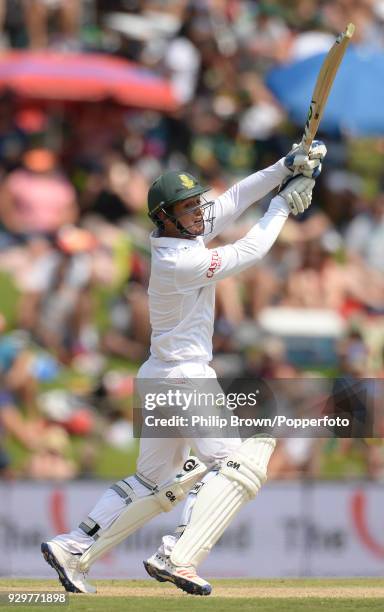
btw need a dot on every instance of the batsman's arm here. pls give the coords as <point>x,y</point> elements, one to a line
<point>240,196</point>
<point>199,266</point>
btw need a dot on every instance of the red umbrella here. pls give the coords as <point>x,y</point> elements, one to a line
<point>87,77</point>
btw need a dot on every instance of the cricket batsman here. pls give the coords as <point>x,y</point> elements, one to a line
<point>184,273</point>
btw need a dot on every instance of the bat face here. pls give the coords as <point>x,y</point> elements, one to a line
<point>324,83</point>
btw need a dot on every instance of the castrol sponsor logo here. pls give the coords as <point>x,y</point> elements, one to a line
<point>215,264</point>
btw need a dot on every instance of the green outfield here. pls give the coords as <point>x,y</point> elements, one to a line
<point>309,595</point>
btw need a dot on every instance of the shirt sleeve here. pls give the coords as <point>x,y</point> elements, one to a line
<point>205,266</point>
<point>238,198</point>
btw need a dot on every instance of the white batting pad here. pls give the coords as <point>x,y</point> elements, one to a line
<point>219,500</point>
<point>142,509</point>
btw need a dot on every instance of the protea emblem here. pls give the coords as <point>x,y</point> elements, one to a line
<point>187,182</point>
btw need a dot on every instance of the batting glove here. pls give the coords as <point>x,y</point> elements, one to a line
<point>298,162</point>
<point>297,192</point>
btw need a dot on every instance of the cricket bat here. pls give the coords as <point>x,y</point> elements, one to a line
<point>323,85</point>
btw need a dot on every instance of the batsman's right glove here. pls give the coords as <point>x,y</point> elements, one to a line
<point>297,192</point>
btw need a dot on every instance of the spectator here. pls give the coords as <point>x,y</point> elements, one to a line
<point>38,13</point>
<point>37,198</point>
<point>12,423</point>
<point>365,234</point>
<point>129,334</point>
<point>322,282</point>
<point>50,460</point>
<point>296,458</point>
<point>123,189</point>
<point>56,305</point>
<point>182,60</point>
<point>12,137</point>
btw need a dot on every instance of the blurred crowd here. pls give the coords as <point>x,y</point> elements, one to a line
<point>74,254</point>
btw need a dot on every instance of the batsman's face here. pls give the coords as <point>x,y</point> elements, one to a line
<point>190,214</point>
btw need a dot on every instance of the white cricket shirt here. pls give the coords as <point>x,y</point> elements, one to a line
<point>184,272</point>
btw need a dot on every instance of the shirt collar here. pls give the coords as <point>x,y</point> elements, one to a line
<point>175,243</point>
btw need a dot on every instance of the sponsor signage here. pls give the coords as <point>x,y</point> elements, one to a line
<point>289,529</point>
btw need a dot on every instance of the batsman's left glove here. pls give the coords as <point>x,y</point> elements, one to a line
<point>298,162</point>
<point>297,192</point>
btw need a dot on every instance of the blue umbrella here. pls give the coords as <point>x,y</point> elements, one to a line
<point>356,103</point>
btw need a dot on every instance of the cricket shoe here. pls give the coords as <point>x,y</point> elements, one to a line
<point>185,578</point>
<point>67,567</point>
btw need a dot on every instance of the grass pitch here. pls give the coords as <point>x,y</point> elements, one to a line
<point>280,595</point>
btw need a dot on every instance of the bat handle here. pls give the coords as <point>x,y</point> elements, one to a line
<point>306,143</point>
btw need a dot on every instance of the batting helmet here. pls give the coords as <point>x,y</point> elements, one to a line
<point>170,188</point>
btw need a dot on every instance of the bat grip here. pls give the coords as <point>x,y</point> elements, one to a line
<point>306,143</point>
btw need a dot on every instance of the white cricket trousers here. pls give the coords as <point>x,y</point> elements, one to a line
<point>160,459</point>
